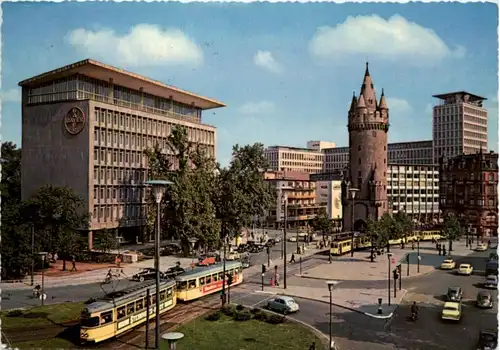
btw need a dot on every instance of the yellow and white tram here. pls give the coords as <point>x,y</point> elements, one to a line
<point>201,281</point>
<point>124,310</point>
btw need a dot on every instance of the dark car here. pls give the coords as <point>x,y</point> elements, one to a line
<point>174,271</point>
<point>484,300</point>
<point>146,274</point>
<point>488,340</point>
<point>271,242</point>
<point>455,294</point>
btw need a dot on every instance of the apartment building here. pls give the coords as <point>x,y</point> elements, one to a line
<point>459,125</point>
<point>414,189</point>
<point>302,205</point>
<point>294,159</point>
<point>469,190</point>
<point>412,152</point>
<point>86,126</point>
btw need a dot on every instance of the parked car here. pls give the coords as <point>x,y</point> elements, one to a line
<point>283,304</point>
<point>245,262</point>
<point>292,239</point>
<point>174,271</point>
<point>233,256</point>
<point>465,269</point>
<point>146,274</point>
<point>488,339</point>
<point>452,311</point>
<point>455,294</point>
<point>491,282</point>
<point>448,264</point>
<point>484,300</point>
<point>481,247</point>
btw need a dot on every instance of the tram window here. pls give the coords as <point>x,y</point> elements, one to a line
<point>121,312</point>
<point>90,322</point>
<point>162,295</point>
<point>192,284</point>
<point>130,308</point>
<point>208,279</point>
<point>153,299</point>
<point>202,281</point>
<point>106,317</point>
<point>220,276</point>
<point>169,293</point>
<point>139,304</point>
<point>181,285</point>
<point>215,278</point>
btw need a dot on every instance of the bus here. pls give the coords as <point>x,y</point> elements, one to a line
<point>123,310</point>
<point>201,281</point>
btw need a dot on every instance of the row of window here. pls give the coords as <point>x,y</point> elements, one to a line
<point>119,176</point>
<point>141,304</point>
<point>201,281</point>
<point>129,194</point>
<point>478,202</point>
<point>414,191</point>
<point>124,158</point>
<point>113,213</point>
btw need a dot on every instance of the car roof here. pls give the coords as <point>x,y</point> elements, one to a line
<point>285,298</point>
<point>451,304</point>
<point>492,276</point>
<point>454,288</point>
<point>447,260</point>
<point>484,293</point>
<point>465,264</point>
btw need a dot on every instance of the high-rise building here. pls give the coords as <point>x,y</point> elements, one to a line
<point>368,125</point>
<point>329,194</point>
<point>86,126</point>
<point>459,125</point>
<point>468,188</point>
<point>410,152</point>
<point>294,159</point>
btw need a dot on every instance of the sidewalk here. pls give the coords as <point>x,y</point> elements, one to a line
<point>312,283</point>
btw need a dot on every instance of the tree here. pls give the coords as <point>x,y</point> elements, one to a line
<point>105,241</point>
<point>11,175</point>
<point>374,230</point>
<point>322,223</point>
<point>386,231</point>
<point>403,225</point>
<point>56,215</point>
<point>452,229</point>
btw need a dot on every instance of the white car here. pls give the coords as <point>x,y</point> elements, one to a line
<point>465,269</point>
<point>292,239</point>
<point>233,256</point>
<point>481,247</point>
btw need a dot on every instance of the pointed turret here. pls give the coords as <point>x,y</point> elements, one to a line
<point>367,89</point>
<point>354,102</point>
<point>383,103</point>
<point>361,102</point>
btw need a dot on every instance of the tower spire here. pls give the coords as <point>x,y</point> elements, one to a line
<point>368,91</point>
<point>383,103</point>
<point>367,71</point>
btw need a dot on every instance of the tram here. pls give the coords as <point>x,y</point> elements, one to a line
<point>123,310</point>
<point>200,281</point>
<point>342,242</point>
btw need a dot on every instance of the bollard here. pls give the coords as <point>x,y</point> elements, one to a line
<point>379,311</point>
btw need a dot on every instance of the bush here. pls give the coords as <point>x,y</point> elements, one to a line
<point>275,319</point>
<point>15,313</point>
<point>255,311</point>
<point>228,310</point>
<point>215,316</point>
<point>240,307</point>
<point>261,316</point>
<point>243,315</point>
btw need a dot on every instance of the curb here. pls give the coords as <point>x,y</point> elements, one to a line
<point>325,339</point>
<point>348,308</point>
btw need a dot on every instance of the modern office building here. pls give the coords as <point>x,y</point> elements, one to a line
<point>294,159</point>
<point>411,152</point>
<point>329,194</point>
<point>469,189</point>
<point>302,206</point>
<point>459,125</point>
<point>414,189</point>
<point>86,126</point>
<point>320,145</point>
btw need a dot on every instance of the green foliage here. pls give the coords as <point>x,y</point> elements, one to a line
<point>243,315</point>
<point>451,228</point>
<point>322,223</point>
<point>214,316</point>
<point>275,319</point>
<point>10,186</point>
<point>228,310</point>
<point>105,241</point>
<point>403,224</point>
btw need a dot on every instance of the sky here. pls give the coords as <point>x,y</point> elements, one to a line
<point>286,71</point>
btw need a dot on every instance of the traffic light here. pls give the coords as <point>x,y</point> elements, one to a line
<point>229,279</point>
<point>263,268</point>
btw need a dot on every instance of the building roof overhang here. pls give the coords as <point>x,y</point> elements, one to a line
<point>101,71</point>
<point>452,94</point>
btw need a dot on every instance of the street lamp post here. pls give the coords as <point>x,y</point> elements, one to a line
<point>331,285</point>
<point>468,233</point>
<point>42,294</point>
<point>283,198</point>
<point>418,255</point>
<point>389,255</point>
<point>353,191</point>
<point>32,254</point>
<point>159,187</point>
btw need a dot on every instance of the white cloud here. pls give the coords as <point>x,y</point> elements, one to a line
<point>266,60</point>
<point>374,37</point>
<point>11,95</point>
<point>261,107</point>
<point>398,107</point>
<point>144,44</point>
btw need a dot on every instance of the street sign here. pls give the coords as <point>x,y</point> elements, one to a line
<point>419,257</point>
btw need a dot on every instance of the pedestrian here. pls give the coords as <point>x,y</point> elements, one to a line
<point>73,264</point>
<point>55,257</point>
<point>277,280</point>
<point>439,249</point>
<point>444,250</point>
<point>412,245</point>
<point>118,260</point>
<point>292,260</point>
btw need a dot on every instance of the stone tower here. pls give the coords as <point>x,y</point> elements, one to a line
<point>368,124</point>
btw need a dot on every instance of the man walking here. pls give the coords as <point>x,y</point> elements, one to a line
<point>73,264</point>
<point>292,260</point>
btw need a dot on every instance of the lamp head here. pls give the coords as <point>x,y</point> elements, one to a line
<point>331,284</point>
<point>353,191</point>
<point>43,254</point>
<point>159,187</point>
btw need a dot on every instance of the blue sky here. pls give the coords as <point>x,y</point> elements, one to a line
<point>286,71</point>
